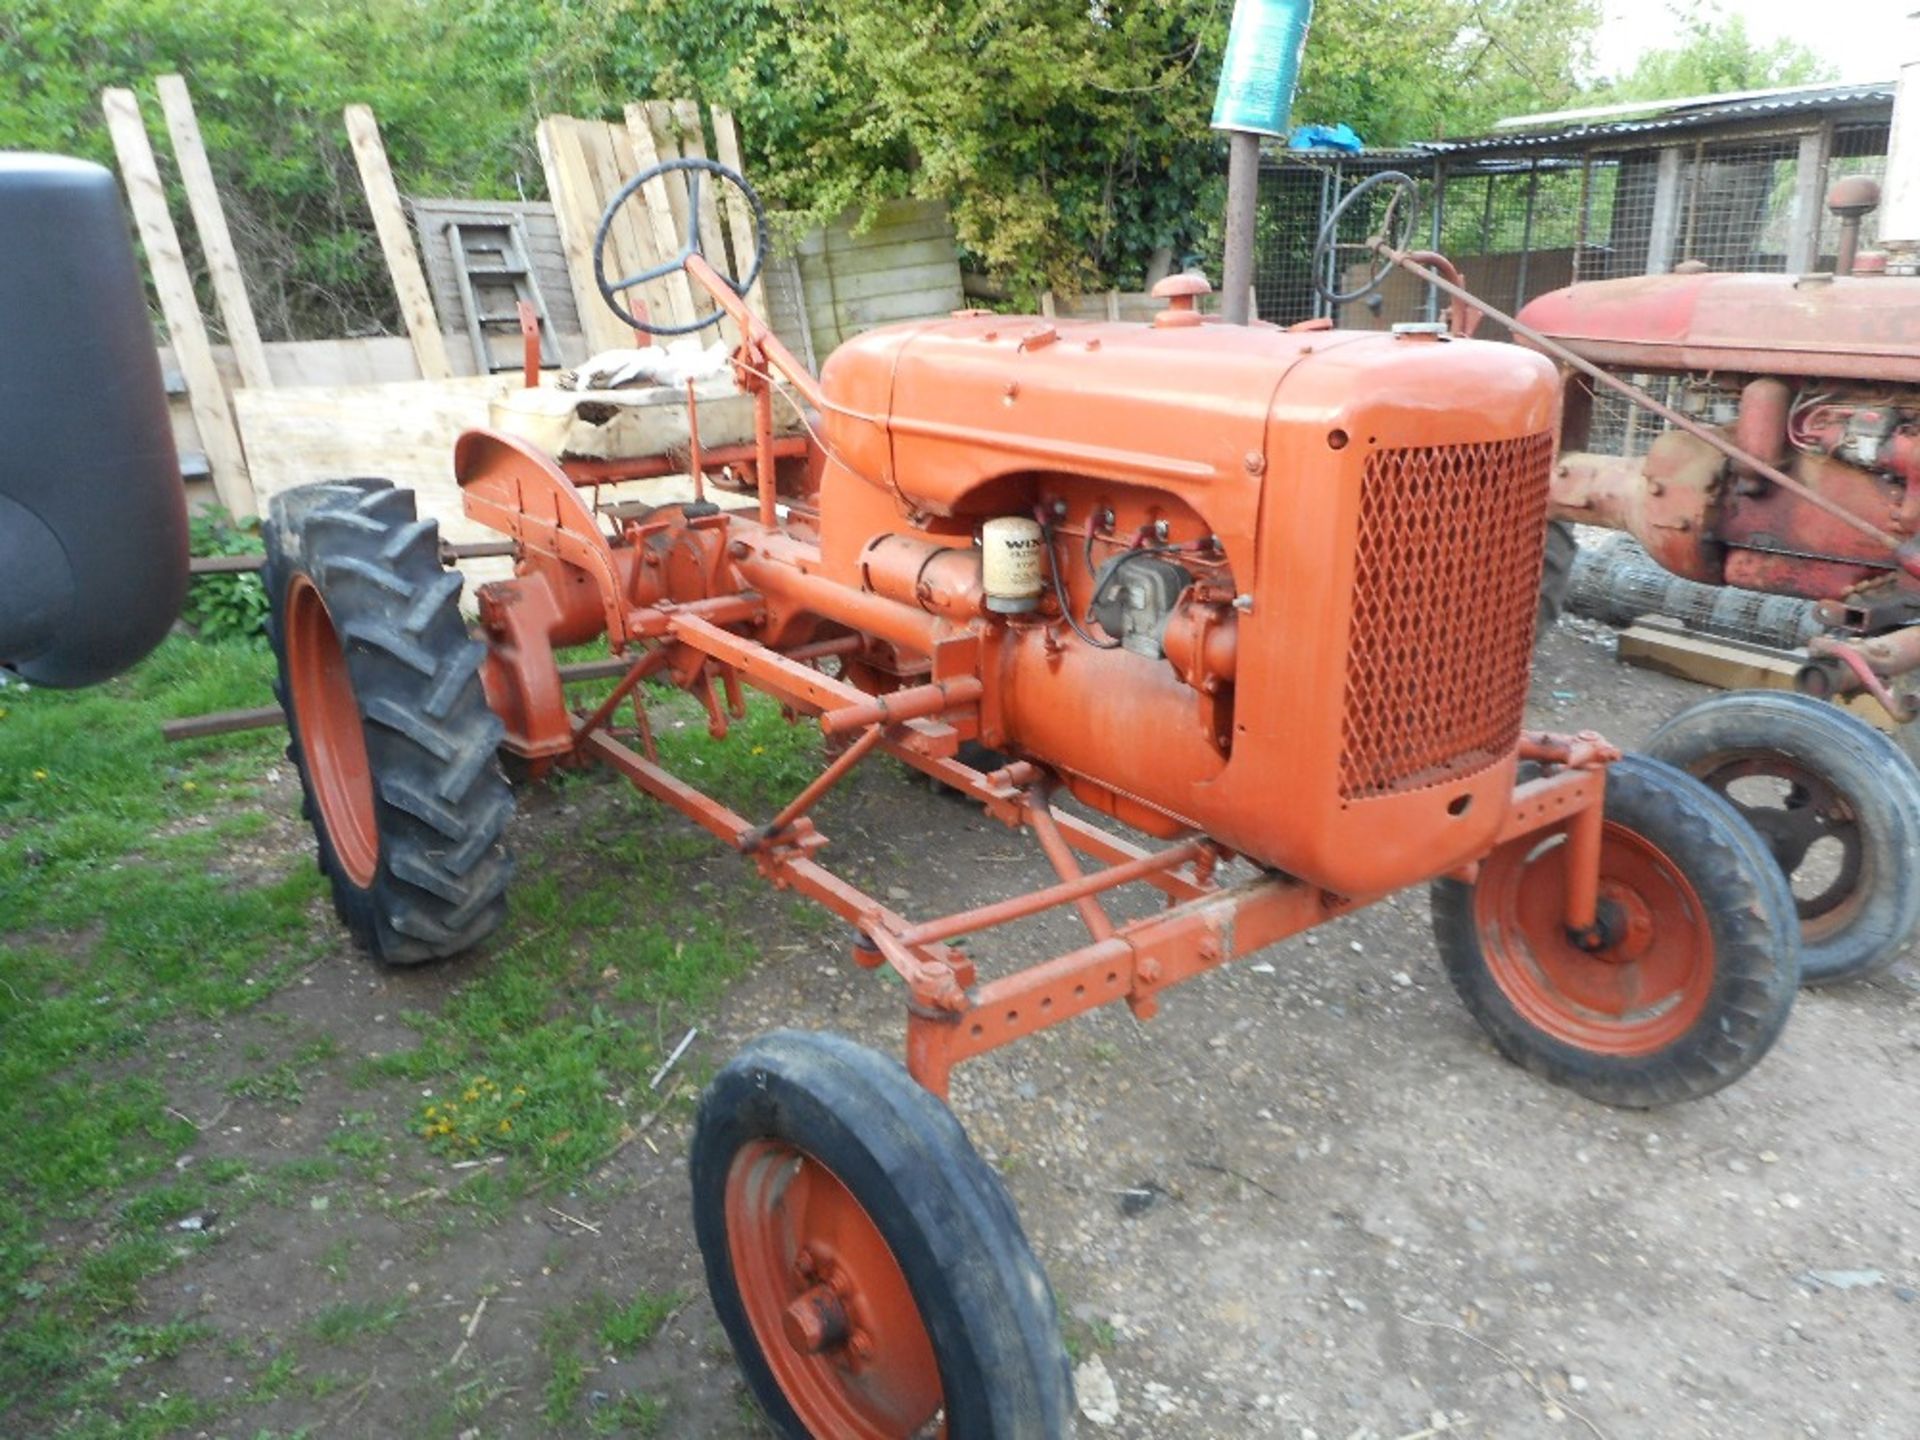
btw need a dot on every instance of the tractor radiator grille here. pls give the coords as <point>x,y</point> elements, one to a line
<point>1445,590</point>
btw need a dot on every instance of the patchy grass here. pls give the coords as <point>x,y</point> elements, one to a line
<point>352,1320</point>
<point>122,912</point>
<point>145,909</point>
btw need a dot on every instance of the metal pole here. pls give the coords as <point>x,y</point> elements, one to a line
<point>1526,235</point>
<point>1243,205</point>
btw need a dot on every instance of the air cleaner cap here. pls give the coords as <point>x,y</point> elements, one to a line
<point>1182,293</point>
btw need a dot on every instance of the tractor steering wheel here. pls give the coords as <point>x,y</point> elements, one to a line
<point>1401,207</point>
<point>695,168</point>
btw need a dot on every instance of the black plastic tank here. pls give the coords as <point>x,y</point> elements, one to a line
<point>93,522</point>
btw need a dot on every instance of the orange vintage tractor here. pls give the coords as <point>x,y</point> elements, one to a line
<point>1265,599</point>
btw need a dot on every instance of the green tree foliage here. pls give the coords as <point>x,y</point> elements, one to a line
<point>269,78</point>
<point>1399,73</point>
<point>1716,55</point>
<point>1069,136</point>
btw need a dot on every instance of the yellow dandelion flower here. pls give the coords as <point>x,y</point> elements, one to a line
<point>471,1095</point>
<point>39,774</point>
<point>506,1127</point>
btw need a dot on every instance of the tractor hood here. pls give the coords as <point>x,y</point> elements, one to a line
<point>963,401</point>
<point>1862,328</point>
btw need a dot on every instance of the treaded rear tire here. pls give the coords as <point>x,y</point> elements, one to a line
<point>1743,904</point>
<point>943,1213</point>
<point>1556,574</point>
<point>1862,768</point>
<point>433,883</point>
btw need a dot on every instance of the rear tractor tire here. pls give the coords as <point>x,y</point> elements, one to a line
<point>865,1262</point>
<point>1834,800</point>
<point>1699,965</point>
<point>391,733</point>
<point>1556,574</point>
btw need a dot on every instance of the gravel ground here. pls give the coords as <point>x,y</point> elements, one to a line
<point>1311,1201</point>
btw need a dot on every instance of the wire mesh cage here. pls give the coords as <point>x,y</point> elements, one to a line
<point>1522,216</point>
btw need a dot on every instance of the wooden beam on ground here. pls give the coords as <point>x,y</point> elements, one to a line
<point>216,241</point>
<point>186,328</point>
<point>726,144</point>
<point>1656,643</point>
<point>396,243</point>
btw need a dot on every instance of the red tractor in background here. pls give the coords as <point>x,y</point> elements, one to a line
<point>1266,599</point>
<point>1818,376</point>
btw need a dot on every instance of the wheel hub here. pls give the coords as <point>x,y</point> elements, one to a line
<point>815,1322</point>
<point>828,1302</point>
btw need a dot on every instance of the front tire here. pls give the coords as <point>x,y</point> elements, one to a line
<point>1835,801</point>
<point>865,1262</point>
<point>1700,964</point>
<point>391,732</point>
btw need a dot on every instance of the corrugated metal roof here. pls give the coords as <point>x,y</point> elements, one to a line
<point>1687,118</point>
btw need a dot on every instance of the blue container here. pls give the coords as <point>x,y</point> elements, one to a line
<point>1262,66</point>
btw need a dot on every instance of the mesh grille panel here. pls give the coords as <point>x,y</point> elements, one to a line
<point>1446,582</point>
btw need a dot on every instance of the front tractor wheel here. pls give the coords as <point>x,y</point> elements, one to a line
<point>865,1262</point>
<point>1699,959</point>
<point>391,732</point>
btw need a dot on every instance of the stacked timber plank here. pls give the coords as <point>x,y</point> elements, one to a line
<point>267,416</point>
<point>587,162</point>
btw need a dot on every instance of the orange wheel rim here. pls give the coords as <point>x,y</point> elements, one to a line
<point>1647,984</point>
<point>828,1302</point>
<point>332,741</point>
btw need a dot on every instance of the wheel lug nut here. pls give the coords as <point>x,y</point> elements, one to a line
<point>860,1345</point>
<point>815,1321</point>
<point>803,1262</point>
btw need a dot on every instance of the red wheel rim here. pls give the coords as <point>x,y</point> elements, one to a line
<point>332,742</point>
<point>1642,990</point>
<point>828,1302</point>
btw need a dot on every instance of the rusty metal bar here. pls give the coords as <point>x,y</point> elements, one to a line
<point>1001,912</point>
<point>225,564</point>
<point>819,786</point>
<point>755,332</point>
<point>1150,955</point>
<point>1907,560</point>
<point>1060,855</point>
<point>648,664</point>
<point>584,473</point>
<point>693,447</point>
<point>900,705</point>
<point>821,649</point>
<point>247,564</point>
<point>1584,834</point>
<point>788,678</point>
<point>717,819</point>
<point>1088,839</point>
<point>224,722</point>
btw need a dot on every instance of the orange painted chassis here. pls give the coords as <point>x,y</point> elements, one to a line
<point>951,1015</point>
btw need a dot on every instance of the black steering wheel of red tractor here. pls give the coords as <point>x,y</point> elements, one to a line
<point>695,168</point>
<point>1395,229</point>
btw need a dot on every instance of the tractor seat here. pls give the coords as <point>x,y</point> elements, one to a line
<point>631,423</point>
